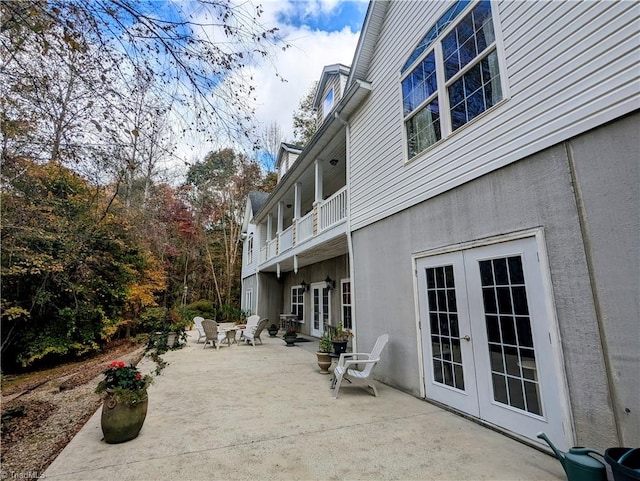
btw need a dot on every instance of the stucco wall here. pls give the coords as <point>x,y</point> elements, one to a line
<point>535,192</point>
<point>606,166</point>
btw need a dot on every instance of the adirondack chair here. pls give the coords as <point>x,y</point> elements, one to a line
<point>197,321</point>
<point>252,324</point>
<point>251,336</point>
<point>355,376</point>
<point>211,333</point>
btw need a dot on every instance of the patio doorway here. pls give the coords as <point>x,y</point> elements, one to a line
<point>320,308</point>
<point>488,347</point>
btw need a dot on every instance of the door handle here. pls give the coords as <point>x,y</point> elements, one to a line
<point>466,338</point>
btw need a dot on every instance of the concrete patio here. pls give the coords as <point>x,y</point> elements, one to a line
<point>265,413</point>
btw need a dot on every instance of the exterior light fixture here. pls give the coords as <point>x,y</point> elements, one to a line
<point>334,162</point>
<point>331,284</point>
<point>305,286</point>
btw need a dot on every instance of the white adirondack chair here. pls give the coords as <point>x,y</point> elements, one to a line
<point>251,335</point>
<point>355,376</point>
<point>197,321</point>
<point>252,324</point>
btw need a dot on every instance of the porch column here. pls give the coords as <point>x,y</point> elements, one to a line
<point>269,227</point>
<point>297,203</point>
<point>319,194</point>
<point>280,217</point>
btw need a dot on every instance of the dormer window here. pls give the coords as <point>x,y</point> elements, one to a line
<point>327,103</point>
<point>452,77</point>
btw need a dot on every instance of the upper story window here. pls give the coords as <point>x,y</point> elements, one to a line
<point>327,103</point>
<point>250,249</point>
<point>452,77</point>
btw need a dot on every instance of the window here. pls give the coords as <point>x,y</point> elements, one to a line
<point>297,302</point>
<point>455,79</point>
<point>327,103</point>
<point>250,249</point>
<point>248,300</point>
<point>346,304</point>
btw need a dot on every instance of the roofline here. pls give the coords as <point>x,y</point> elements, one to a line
<point>336,68</point>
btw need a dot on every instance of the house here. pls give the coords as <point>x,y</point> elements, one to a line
<point>491,179</point>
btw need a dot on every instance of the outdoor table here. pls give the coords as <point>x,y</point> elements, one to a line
<point>230,331</point>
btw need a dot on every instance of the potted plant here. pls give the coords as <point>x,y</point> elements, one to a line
<point>273,330</point>
<point>325,347</point>
<point>290,336</point>
<point>176,329</point>
<point>340,337</point>
<point>125,404</point>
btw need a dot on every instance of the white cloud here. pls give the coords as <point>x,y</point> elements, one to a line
<point>299,65</point>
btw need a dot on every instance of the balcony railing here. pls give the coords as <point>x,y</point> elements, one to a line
<point>330,212</point>
<point>304,228</point>
<point>286,239</point>
<point>334,209</point>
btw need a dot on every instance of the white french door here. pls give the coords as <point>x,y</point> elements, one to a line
<point>320,308</point>
<point>487,343</point>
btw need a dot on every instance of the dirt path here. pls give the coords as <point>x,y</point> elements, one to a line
<point>42,411</point>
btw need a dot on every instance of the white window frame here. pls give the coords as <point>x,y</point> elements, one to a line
<point>442,90</point>
<point>250,249</point>
<point>326,105</point>
<point>248,300</point>
<point>344,305</point>
<point>294,305</point>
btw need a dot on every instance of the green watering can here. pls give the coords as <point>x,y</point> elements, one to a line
<point>577,463</point>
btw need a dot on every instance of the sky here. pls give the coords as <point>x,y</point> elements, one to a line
<point>320,32</point>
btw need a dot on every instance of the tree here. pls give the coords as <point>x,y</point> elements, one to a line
<point>219,186</point>
<point>304,119</point>
<point>271,139</point>
<point>68,267</point>
<point>192,56</point>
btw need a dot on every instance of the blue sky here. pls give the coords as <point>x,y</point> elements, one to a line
<point>324,16</point>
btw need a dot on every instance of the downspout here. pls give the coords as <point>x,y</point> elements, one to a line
<point>349,239</point>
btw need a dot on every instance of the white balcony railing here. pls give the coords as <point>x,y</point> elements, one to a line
<point>331,212</point>
<point>304,228</point>
<point>334,209</point>
<point>271,248</point>
<point>286,239</point>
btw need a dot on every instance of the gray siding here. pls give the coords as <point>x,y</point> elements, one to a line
<point>538,191</point>
<point>570,66</point>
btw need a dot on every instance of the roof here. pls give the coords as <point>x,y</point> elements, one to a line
<point>371,28</point>
<point>335,69</point>
<point>257,200</point>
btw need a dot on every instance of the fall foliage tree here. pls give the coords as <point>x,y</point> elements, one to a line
<point>304,118</point>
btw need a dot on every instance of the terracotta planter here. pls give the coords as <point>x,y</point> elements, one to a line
<point>324,362</point>
<point>122,421</point>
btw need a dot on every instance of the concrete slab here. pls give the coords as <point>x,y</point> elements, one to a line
<point>265,413</point>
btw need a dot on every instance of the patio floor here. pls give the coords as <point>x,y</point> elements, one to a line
<point>265,413</point>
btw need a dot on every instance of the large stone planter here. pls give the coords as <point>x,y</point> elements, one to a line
<point>324,362</point>
<point>122,421</point>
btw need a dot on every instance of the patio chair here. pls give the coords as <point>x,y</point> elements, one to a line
<point>197,321</point>
<point>250,336</point>
<point>252,323</point>
<point>211,333</point>
<point>355,376</point>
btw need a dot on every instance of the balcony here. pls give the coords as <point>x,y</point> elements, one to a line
<point>324,216</point>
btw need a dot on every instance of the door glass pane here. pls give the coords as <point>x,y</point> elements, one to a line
<point>443,321</point>
<point>511,349</point>
<point>316,309</point>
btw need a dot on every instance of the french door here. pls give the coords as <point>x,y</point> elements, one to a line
<point>486,334</point>
<point>320,308</point>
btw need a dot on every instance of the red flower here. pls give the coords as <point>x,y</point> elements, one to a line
<point>120,364</point>
<point>138,376</point>
<point>113,364</point>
